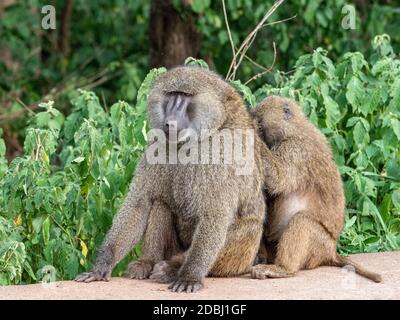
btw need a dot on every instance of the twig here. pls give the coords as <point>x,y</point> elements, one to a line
<point>228,29</point>
<point>243,53</point>
<point>91,82</point>
<point>52,95</point>
<point>16,114</point>
<point>255,63</point>
<point>101,78</point>
<point>265,71</point>
<point>279,21</point>
<point>96,83</point>
<point>234,65</point>
<point>25,106</point>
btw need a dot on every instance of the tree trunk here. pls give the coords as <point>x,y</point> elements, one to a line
<point>64,32</point>
<point>173,36</point>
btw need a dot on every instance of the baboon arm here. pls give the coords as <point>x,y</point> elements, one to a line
<point>282,165</point>
<point>128,225</point>
<point>127,229</point>
<point>208,239</point>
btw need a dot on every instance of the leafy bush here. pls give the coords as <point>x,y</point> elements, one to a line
<point>316,23</point>
<point>58,199</point>
<point>61,195</point>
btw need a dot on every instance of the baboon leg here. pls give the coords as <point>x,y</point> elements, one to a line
<point>304,244</point>
<point>267,252</point>
<point>240,248</point>
<point>235,258</point>
<point>262,255</point>
<point>159,243</point>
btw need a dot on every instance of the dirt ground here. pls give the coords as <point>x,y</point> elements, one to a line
<point>321,283</point>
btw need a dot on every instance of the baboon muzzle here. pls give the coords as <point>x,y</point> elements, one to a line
<point>176,112</point>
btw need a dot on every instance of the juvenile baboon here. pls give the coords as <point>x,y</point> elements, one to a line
<point>305,194</point>
<point>209,212</point>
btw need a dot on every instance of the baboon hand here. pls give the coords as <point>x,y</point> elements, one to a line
<point>97,274</point>
<point>183,285</point>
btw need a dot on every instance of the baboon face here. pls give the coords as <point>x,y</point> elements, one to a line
<point>276,117</point>
<point>186,102</point>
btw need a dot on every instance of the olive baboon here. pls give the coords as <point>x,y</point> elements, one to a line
<point>208,211</point>
<point>304,194</point>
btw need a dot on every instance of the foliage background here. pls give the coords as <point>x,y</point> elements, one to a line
<point>65,165</point>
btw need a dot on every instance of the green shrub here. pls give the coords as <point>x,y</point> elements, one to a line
<point>62,193</point>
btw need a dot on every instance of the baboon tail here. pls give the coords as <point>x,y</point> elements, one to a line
<point>344,261</point>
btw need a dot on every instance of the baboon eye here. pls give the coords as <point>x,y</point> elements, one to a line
<point>287,112</point>
<point>179,93</point>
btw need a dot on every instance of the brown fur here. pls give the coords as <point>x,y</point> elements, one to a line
<point>207,211</point>
<point>305,193</point>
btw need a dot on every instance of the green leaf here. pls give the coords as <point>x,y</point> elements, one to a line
<point>360,135</point>
<point>246,93</point>
<point>396,127</point>
<point>355,93</point>
<point>396,199</point>
<point>200,5</point>
<point>331,110</point>
<point>46,230</point>
<point>196,62</point>
<point>78,159</point>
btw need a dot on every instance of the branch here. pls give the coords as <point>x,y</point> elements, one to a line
<point>265,71</point>
<point>16,114</point>
<point>62,87</point>
<point>255,63</point>
<point>243,53</point>
<point>228,29</point>
<point>279,21</point>
<point>240,53</point>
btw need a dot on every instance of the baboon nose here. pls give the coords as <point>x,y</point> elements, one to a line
<point>169,124</point>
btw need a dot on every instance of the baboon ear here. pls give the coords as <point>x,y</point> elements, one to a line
<point>287,112</point>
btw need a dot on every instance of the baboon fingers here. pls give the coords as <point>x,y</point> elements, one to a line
<point>188,286</point>
<point>90,279</point>
<point>93,276</point>
<point>82,277</point>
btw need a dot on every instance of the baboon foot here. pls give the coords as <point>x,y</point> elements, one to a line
<point>164,272</point>
<point>262,271</point>
<point>139,269</point>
